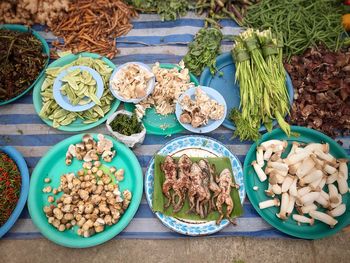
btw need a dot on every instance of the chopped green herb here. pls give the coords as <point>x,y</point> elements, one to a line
<point>126,125</point>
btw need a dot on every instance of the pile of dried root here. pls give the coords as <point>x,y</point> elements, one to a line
<point>93,25</point>
<point>321,81</point>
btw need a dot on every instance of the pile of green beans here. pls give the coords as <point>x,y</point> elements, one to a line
<point>303,23</point>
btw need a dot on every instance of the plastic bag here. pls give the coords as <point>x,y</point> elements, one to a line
<point>131,141</point>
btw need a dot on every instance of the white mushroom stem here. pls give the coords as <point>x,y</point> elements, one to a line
<point>323,218</point>
<point>303,219</point>
<point>324,194</point>
<point>262,176</point>
<point>260,156</point>
<point>322,201</point>
<point>269,203</point>
<point>334,205</point>
<point>276,178</point>
<point>313,176</point>
<point>294,168</point>
<point>343,168</point>
<point>342,184</point>
<point>308,198</point>
<point>287,183</point>
<point>322,183</point>
<point>291,204</point>
<point>276,157</point>
<point>269,192</point>
<point>277,148</point>
<point>295,145</point>
<point>305,167</point>
<point>293,188</point>
<point>332,178</point>
<point>314,184</point>
<point>338,211</point>
<point>271,143</point>
<point>296,157</point>
<point>276,188</point>
<point>303,191</point>
<point>267,154</point>
<point>284,206</point>
<point>317,146</point>
<point>306,209</point>
<point>333,193</point>
<point>325,156</point>
<point>278,166</point>
<point>316,160</point>
<point>329,169</point>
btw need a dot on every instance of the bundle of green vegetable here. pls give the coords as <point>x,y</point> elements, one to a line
<point>303,23</point>
<point>262,81</point>
<point>166,9</point>
<point>203,51</point>
<point>126,125</point>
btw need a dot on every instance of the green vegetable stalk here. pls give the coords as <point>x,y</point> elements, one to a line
<point>262,81</point>
<point>203,51</point>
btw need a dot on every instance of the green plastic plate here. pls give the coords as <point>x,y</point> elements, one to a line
<point>78,124</point>
<point>156,123</point>
<point>290,227</point>
<point>52,165</point>
<point>46,50</point>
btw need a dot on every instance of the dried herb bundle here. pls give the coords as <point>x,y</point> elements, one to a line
<point>21,61</point>
<point>10,187</point>
<point>321,81</point>
<point>93,25</point>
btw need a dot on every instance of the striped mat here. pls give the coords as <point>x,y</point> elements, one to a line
<point>150,41</point>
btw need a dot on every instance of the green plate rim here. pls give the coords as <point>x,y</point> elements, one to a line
<point>37,96</point>
<point>103,236</point>
<point>250,191</point>
<point>158,131</point>
<point>46,50</point>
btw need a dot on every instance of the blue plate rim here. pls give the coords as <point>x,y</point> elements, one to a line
<point>17,157</point>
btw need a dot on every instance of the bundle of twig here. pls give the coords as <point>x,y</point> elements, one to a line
<point>93,25</point>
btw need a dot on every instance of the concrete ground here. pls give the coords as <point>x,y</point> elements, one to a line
<point>232,250</point>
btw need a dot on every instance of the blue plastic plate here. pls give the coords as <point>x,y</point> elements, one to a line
<point>150,86</point>
<point>22,166</point>
<point>212,124</point>
<point>224,82</point>
<point>63,101</point>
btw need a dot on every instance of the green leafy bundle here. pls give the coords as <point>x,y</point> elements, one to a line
<point>262,81</point>
<point>126,125</point>
<point>203,51</point>
<point>166,9</point>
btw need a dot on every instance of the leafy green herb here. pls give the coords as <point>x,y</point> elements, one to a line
<point>203,51</point>
<point>126,125</point>
<point>303,23</point>
<point>166,9</point>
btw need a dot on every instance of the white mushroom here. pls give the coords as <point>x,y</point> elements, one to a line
<point>329,169</point>
<point>303,219</point>
<point>291,204</point>
<point>296,157</point>
<point>333,193</point>
<point>295,145</point>
<point>308,198</point>
<point>270,143</point>
<point>294,168</point>
<point>303,191</point>
<point>276,189</point>
<point>313,176</point>
<point>293,188</point>
<point>269,203</point>
<point>267,154</point>
<point>306,209</point>
<point>287,183</point>
<point>342,184</point>
<point>284,206</point>
<point>262,176</point>
<point>260,156</point>
<point>343,168</point>
<point>278,166</point>
<point>314,185</point>
<point>334,205</point>
<point>322,201</point>
<point>338,211</point>
<point>332,178</point>
<point>325,156</point>
<point>317,146</point>
<point>323,218</point>
<point>305,167</point>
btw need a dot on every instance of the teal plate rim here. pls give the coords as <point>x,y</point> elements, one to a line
<point>99,238</point>
<point>46,50</point>
<point>57,63</point>
<point>252,195</point>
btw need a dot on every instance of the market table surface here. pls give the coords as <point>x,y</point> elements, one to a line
<point>150,41</point>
